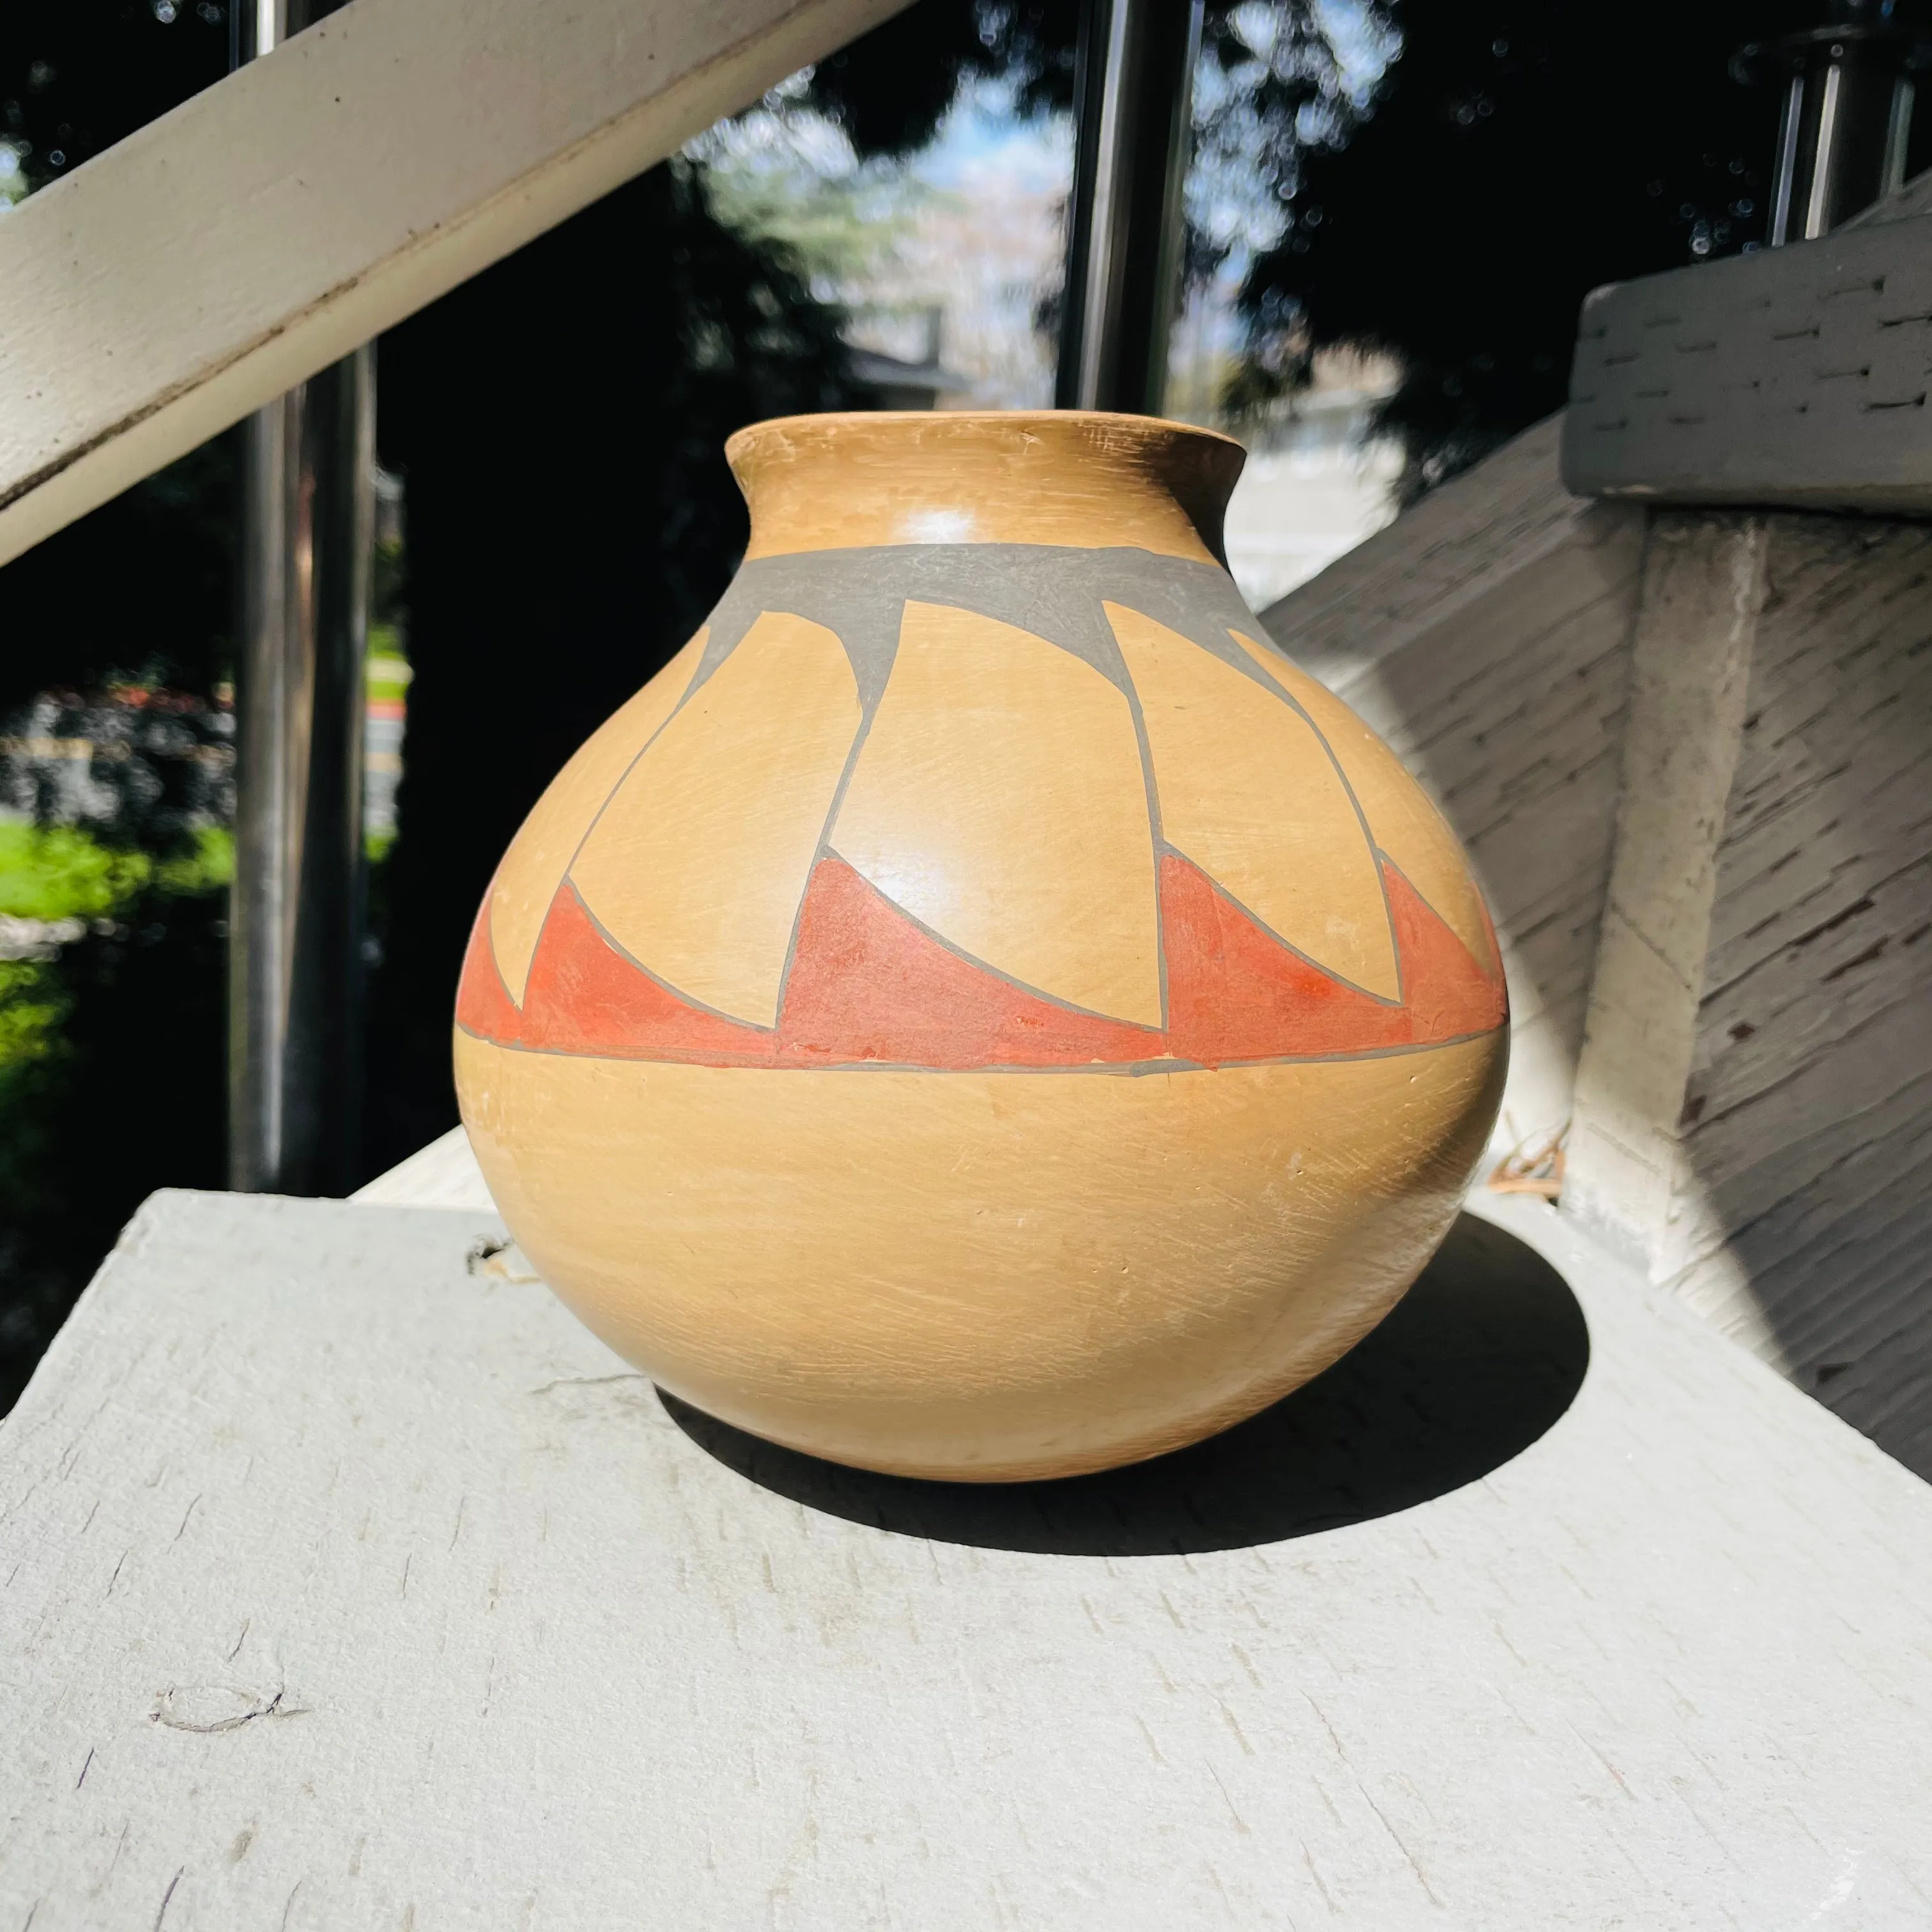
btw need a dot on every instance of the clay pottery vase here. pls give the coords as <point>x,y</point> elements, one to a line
<point>980,1011</point>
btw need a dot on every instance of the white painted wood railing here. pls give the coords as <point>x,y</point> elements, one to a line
<point>196,270</point>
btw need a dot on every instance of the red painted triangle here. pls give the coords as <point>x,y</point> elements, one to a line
<point>585,997</point>
<point>1447,994</point>
<point>483,1002</point>
<point>1235,992</point>
<point>867,983</point>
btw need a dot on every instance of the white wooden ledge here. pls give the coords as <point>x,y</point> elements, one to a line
<point>346,1581</point>
<point>1794,375</point>
<point>442,1174</point>
<point>195,270</point>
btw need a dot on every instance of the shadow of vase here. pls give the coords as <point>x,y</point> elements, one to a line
<point>1477,1360</point>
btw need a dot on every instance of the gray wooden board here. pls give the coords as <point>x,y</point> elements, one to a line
<point>1807,1116</point>
<point>1795,376</point>
<point>343,1585</point>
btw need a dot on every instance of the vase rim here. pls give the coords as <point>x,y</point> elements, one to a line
<point>1079,478</point>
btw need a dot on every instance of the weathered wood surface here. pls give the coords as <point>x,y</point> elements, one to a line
<point>1808,1110</point>
<point>341,1585</point>
<point>362,168</point>
<point>1795,376</point>
<point>1703,585</point>
<point>1754,1104</point>
<point>1757,1116</point>
<point>1485,634</point>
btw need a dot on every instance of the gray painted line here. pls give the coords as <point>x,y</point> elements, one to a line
<point>1159,842</point>
<point>1362,819</point>
<point>1053,593</point>
<point>489,945</point>
<point>1500,978</point>
<point>577,851</point>
<point>1127,1069</point>
<point>868,710</point>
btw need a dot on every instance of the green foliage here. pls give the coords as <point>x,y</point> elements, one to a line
<point>205,864</point>
<point>60,871</point>
<point>33,1052</point>
<point>387,670</point>
<point>56,872</point>
<point>32,1006</point>
<point>111,1066</point>
<point>838,226</point>
<point>112,1080</point>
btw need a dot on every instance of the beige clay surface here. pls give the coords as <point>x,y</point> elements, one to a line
<point>979,1013</point>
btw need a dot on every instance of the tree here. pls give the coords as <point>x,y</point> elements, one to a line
<point>142,584</point>
<point>1441,180</point>
<point>111,1073</point>
<point>1516,154</point>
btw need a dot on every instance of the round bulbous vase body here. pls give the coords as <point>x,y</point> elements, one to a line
<point>981,1012</point>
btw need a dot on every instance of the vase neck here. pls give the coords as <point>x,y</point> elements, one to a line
<point>1065,478</point>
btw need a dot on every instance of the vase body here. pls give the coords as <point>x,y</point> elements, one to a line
<point>981,1012</point>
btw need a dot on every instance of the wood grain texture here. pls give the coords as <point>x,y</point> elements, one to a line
<point>1755,1103</point>
<point>1703,583</point>
<point>1795,376</point>
<point>362,168</point>
<point>342,1587</point>
<point>1807,1107</point>
<point>1485,636</point>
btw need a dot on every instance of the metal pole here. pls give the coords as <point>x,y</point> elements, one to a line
<point>1849,92</point>
<point>296,917</point>
<point>1133,104</point>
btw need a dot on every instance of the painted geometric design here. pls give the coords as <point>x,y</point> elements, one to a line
<point>942,809</point>
<point>998,798</point>
<point>1250,792</point>
<point>697,882</point>
<point>534,866</point>
<point>1409,829</point>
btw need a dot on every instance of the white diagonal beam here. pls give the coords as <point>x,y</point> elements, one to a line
<point>267,226</point>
